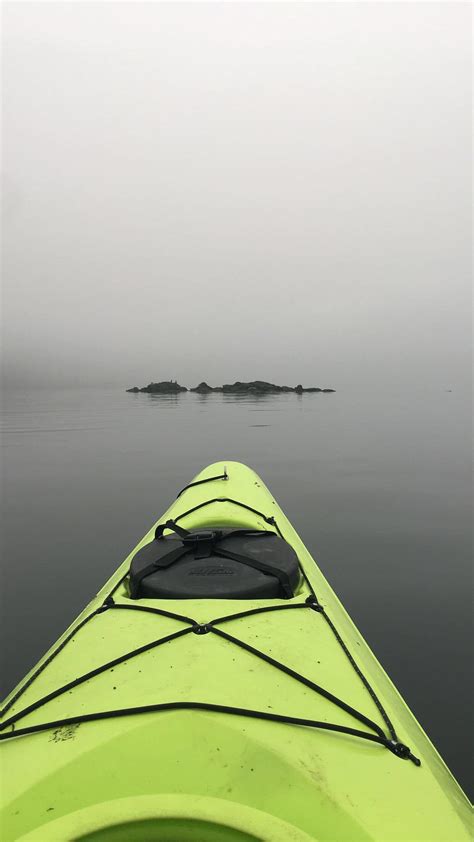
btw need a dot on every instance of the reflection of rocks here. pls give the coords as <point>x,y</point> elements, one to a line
<point>254,387</point>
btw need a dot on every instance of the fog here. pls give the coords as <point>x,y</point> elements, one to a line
<point>235,191</point>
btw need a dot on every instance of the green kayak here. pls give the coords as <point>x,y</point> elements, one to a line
<point>216,689</point>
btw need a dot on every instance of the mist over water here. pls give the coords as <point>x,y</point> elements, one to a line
<point>231,191</point>
<point>377,485</point>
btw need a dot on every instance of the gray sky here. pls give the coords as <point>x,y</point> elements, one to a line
<point>234,191</point>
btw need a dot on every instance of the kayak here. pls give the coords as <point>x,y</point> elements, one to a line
<point>216,689</point>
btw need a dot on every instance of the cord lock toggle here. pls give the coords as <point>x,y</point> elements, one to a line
<point>201,629</point>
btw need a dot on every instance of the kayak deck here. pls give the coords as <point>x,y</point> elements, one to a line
<point>277,706</point>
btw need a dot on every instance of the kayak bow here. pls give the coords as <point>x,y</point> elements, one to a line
<point>216,689</point>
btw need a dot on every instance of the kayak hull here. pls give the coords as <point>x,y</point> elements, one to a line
<point>196,737</point>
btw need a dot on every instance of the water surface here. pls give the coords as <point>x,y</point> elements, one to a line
<point>377,485</point>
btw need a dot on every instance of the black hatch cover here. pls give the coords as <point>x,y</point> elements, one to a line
<point>215,563</point>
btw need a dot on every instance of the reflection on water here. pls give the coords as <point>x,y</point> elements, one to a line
<point>377,486</point>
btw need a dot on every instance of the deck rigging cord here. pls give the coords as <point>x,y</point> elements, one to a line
<point>378,735</point>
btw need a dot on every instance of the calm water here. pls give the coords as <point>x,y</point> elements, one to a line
<point>376,484</point>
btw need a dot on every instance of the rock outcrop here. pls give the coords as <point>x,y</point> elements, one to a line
<point>262,387</point>
<point>165,387</point>
<point>259,387</point>
<point>205,389</point>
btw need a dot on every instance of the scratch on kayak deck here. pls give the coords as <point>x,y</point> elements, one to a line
<point>67,732</point>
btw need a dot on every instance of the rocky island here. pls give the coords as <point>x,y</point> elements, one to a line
<point>259,387</point>
<point>165,387</point>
